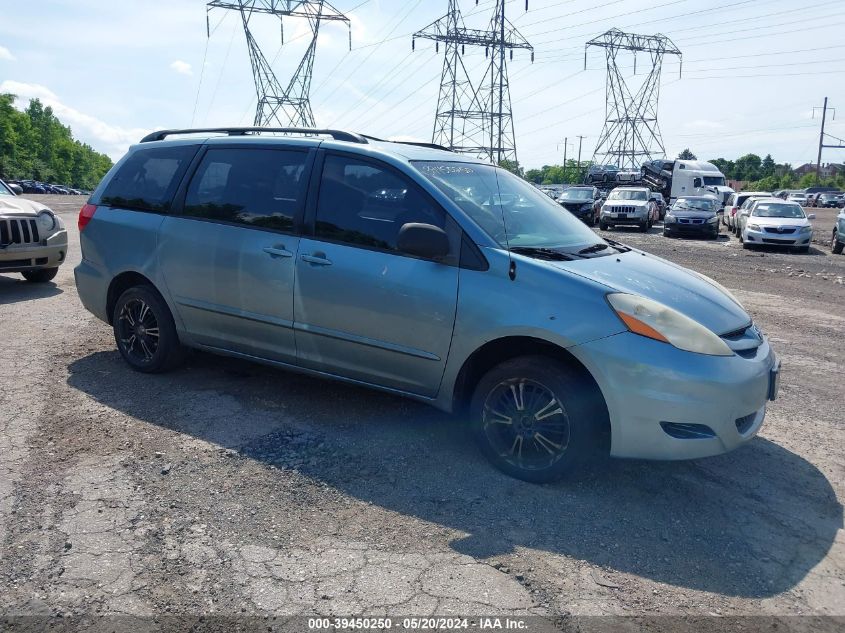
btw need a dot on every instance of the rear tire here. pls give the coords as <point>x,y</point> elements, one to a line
<point>836,246</point>
<point>537,419</point>
<point>40,276</point>
<point>144,331</point>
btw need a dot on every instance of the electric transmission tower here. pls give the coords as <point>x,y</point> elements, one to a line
<point>291,106</point>
<point>631,134</point>
<point>475,118</point>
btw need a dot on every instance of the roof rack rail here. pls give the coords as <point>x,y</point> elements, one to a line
<point>416,143</point>
<point>338,135</point>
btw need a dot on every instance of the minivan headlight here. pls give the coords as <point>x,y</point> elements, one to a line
<point>46,220</point>
<point>654,320</point>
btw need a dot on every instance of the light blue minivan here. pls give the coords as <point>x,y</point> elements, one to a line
<point>421,272</point>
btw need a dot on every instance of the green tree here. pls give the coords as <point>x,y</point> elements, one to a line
<point>35,144</point>
<point>687,155</point>
<point>512,166</point>
<point>808,180</point>
<point>768,167</point>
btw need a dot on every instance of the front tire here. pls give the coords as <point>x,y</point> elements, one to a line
<point>40,276</point>
<point>602,226</point>
<point>836,246</point>
<point>145,332</point>
<point>536,419</point>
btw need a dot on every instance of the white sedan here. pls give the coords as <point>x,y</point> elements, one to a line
<point>775,222</point>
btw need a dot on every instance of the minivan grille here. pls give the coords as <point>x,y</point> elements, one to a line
<point>18,231</point>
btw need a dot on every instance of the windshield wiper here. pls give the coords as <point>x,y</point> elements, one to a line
<point>542,253</point>
<point>595,248</point>
<point>618,246</point>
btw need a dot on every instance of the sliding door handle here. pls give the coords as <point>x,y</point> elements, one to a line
<point>277,251</point>
<point>318,259</point>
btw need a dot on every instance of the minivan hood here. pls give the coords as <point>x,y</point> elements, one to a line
<point>20,206</point>
<point>641,274</point>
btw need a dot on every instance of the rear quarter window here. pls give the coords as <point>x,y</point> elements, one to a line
<point>149,178</point>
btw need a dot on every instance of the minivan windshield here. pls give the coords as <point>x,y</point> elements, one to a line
<point>510,210</point>
<point>627,194</point>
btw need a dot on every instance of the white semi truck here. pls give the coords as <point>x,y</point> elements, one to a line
<point>675,178</point>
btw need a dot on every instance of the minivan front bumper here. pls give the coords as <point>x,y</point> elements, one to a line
<point>668,404</point>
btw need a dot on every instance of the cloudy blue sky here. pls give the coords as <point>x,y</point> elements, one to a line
<point>753,70</point>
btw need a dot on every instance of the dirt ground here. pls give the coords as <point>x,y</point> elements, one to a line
<point>232,489</point>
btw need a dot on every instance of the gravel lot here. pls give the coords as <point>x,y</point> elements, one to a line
<point>233,489</point>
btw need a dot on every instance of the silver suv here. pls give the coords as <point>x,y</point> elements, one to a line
<point>424,273</point>
<point>33,240</point>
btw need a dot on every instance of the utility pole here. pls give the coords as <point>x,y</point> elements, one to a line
<point>475,118</point>
<point>289,106</point>
<point>821,143</point>
<point>565,146</point>
<point>822,135</point>
<point>580,177</point>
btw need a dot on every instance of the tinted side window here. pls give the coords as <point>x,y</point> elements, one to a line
<point>362,204</point>
<point>148,178</point>
<point>257,187</point>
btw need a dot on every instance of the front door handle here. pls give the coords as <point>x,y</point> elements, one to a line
<point>318,259</point>
<point>277,251</point>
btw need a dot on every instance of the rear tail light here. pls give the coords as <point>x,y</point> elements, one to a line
<point>85,215</point>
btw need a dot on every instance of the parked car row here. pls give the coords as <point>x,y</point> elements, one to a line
<point>830,199</point>
<point>756,218</point>
<point>34,186</point>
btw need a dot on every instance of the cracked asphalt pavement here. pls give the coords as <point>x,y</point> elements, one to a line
<point>225,488</point>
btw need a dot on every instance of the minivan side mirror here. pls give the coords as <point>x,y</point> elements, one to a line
<point>812,216</point>
<point>423,240</point>
<point>17,189</point>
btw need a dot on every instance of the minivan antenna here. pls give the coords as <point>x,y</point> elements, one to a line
<point>512,264</point>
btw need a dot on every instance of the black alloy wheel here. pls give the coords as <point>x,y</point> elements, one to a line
<point>144,331</point>
<point>536,419</point>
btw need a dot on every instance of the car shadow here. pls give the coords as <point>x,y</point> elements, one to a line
<point>752,523</point>
<point>13,290</point>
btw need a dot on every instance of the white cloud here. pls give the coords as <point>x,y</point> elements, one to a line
<point>183,68</point>
<point>6,54</point>
<point>111,139</point>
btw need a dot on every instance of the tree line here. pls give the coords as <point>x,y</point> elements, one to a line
<point>761,174</point>
<point>35,145</point>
